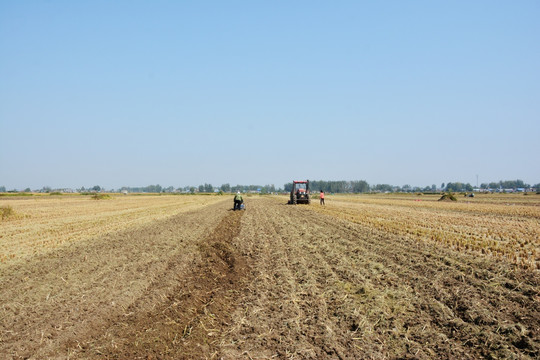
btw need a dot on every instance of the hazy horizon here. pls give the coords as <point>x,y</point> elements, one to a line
<point>277,186</point>
<point>179,93</point>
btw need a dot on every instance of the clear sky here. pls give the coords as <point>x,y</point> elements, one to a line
<point>132,93</point>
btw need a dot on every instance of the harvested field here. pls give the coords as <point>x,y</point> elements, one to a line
<point>43,223</point>
<point>278,281</point>
<point>503,225</point>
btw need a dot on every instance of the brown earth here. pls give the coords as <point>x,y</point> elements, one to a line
<point>275,281</point>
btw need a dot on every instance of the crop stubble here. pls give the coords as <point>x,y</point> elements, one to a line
<point>330,288</point>
<point>506,229</point>
<point>45,223</point>
<point>275,281</point>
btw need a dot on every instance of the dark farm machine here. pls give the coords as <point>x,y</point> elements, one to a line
<point>300,192</point>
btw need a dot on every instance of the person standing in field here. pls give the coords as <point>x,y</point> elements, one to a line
<point>321,196</point>
<point>238,200</point>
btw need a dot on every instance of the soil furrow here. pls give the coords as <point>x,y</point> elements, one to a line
<point>436,260</point>
<point>185,319</point>
<point>379,295</point>
<point>466,298</point>
<point>274,281</point>
<point>59,300</point>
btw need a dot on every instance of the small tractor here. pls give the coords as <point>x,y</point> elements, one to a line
<point>300,193</point>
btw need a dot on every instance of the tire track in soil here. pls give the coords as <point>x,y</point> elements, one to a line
<point>284,313</point>
<point>293,283</point>
<point>52,304</point>
<point>476,270</point>
<point>341,290</point>
<point>476,316</point>
<point>187,321</point>
<point>483,309</point>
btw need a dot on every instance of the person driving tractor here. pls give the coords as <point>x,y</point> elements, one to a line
<point>238,201</point>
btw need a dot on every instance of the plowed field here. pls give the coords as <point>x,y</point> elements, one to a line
<point>274,281</point>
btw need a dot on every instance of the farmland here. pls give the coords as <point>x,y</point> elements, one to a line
<point>43,223</point>
<point>365,277</point>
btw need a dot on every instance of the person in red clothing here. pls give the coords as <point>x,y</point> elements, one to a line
<point>321,196</point>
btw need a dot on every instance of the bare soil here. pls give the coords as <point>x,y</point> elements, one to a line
<point>275,281</point>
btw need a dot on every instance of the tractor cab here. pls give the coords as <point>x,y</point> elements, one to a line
<point>300,192</point>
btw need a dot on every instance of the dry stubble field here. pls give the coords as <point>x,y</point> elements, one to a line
<point>174,277</point>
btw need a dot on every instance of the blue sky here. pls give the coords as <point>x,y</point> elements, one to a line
<point>131,93</point>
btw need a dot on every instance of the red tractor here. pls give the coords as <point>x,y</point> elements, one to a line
<point>300,193</point>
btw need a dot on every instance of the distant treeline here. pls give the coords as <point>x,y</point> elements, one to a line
<point>507,184</point>
<point>493,186</point>
<point>340,186</point>
<point>361,186</point>
<point>357,186</point>
<point>203,188</point>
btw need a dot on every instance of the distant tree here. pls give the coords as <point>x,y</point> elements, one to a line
<point>266,189</point>
<point>208,188</point>
<point>494,185</point>
<point>406,188</point>
<point>458,186</point>
<point>236,188</point>
<point>46,189</point>
<point>433,187</point>
<point>97,188</point>
<point>2,189</point>
<point>340,186</point>
<point>383,188</point>
<point>154,188</point>
<point>513,184</point>
<point>201,188</point>
<point>226,187</point>
<point>27,190</point>
<point>192,189</point>
<point>442,186</point>
<point>333,186</point>
<point>359,186</point>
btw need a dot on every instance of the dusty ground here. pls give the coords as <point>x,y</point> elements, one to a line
<point>275,281</point>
